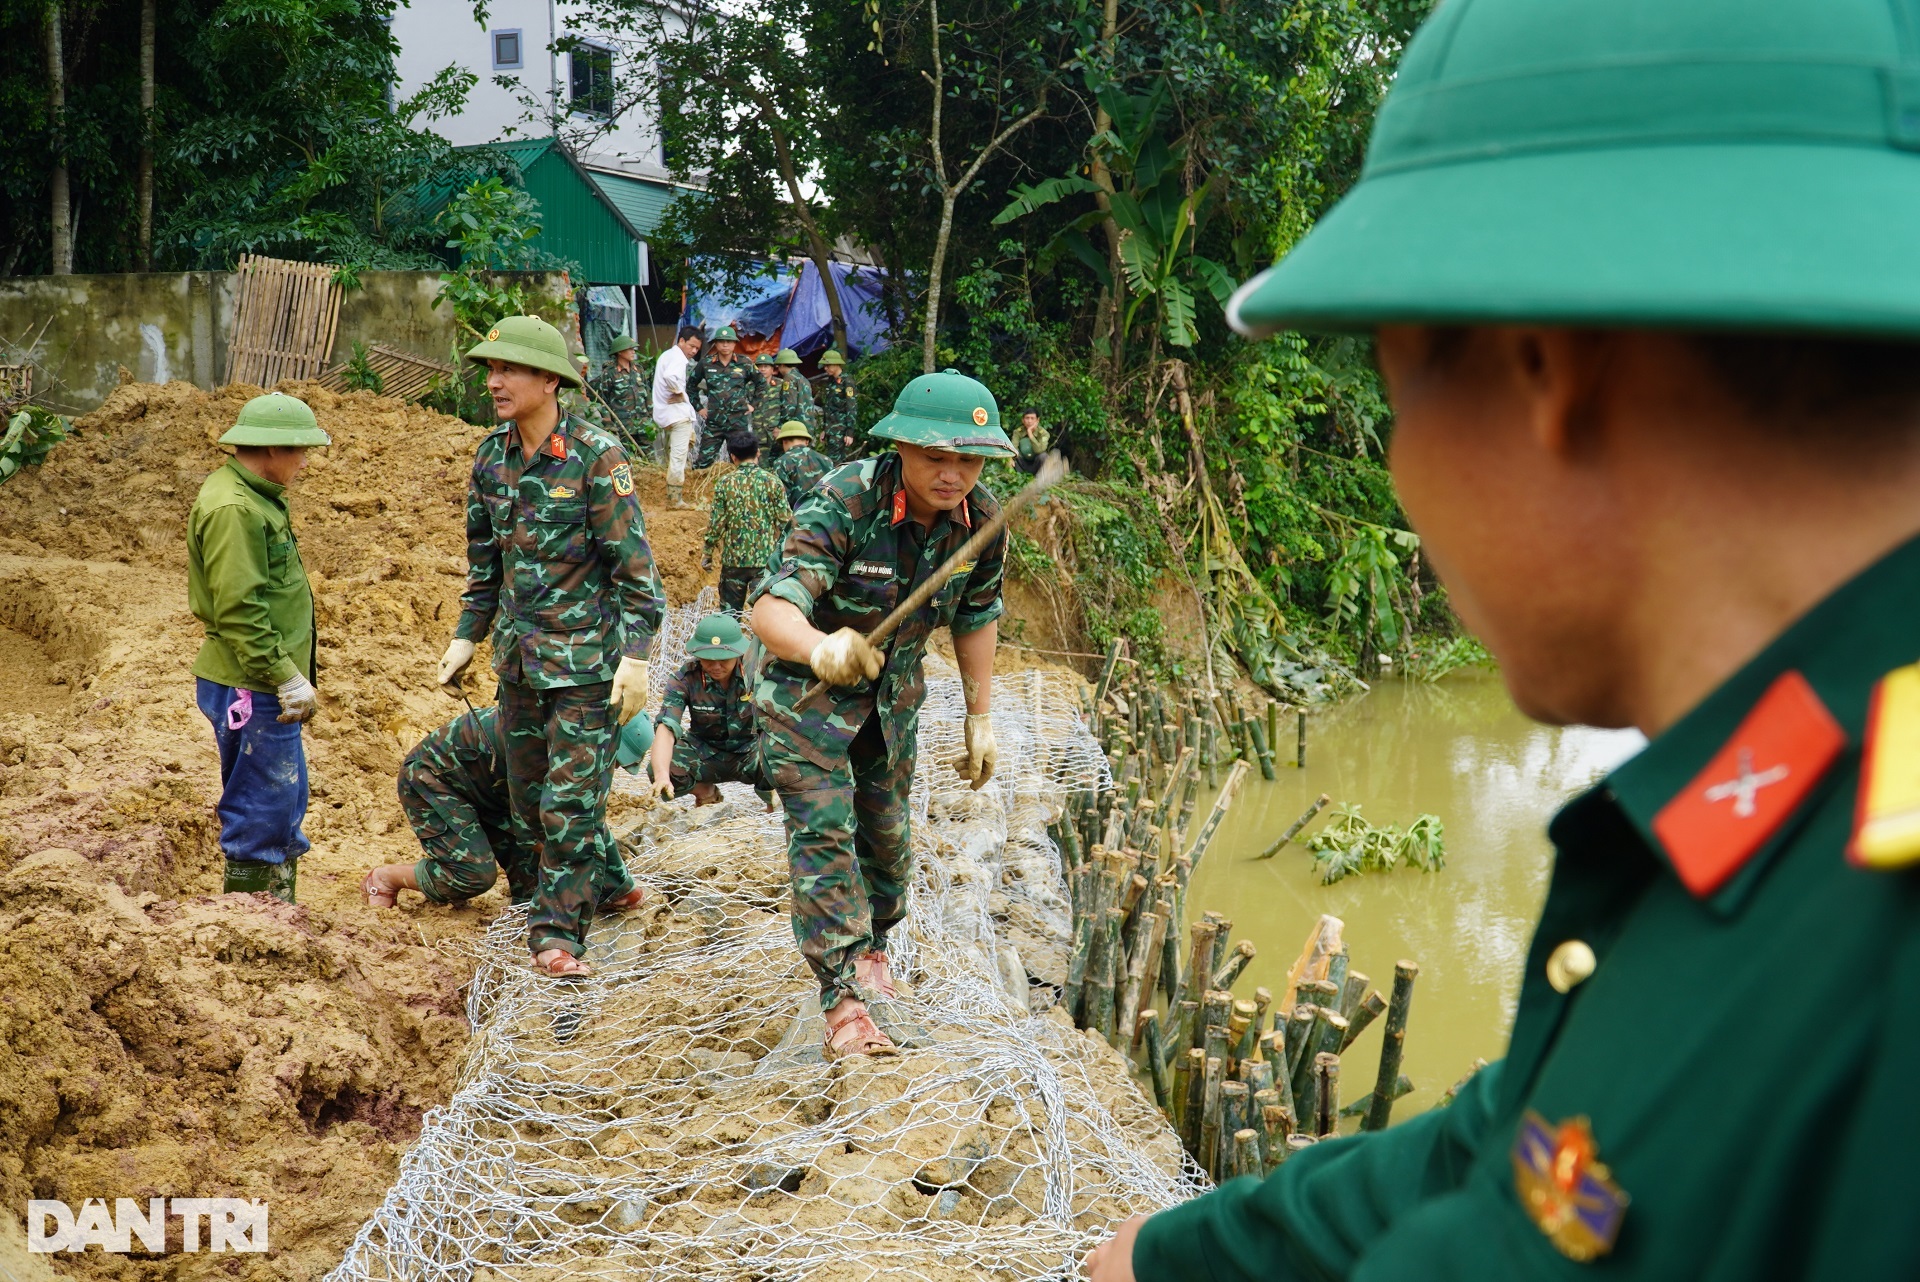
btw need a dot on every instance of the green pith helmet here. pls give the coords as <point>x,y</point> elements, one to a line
<point>275,419</point>
<point>622,344</point>
<point>636,738</point>
<point>832,356</point>
<point>764,358</point>
<point>717,636</point>
<point>1634,162</point>
<point>530,341</point>
<point>946,411</point>
<point>725,334</point>
<point>787,357</point>
<point>791,429</point>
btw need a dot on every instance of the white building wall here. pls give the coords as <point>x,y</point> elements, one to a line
<point>435,33</point>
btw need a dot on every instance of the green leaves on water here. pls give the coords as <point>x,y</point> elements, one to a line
<point>1348,843</point>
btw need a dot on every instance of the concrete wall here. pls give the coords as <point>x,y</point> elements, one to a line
<point>78,331</point>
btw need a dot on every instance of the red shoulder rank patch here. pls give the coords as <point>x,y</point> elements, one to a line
<point>1752,785</point>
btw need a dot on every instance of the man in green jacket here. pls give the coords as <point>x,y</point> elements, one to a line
<point>254,676</point>
<point>1645,281</point>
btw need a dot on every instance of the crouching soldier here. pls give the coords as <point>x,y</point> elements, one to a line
<point>704,733</point>
<point>865,537</point>
<point>453,787</point>
<point>255,671</point>
<point>799,464</point>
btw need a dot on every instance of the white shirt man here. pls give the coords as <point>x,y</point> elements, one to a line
<point>672,411</point>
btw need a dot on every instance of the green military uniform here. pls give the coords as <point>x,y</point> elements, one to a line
<point>839,411</point>
<point>844,765</point>
<point>788,397</point>
<point>1711,1068</point>
<point>729,391</point>
<point>711,721</point>
<point>745,526</point>
<point>621,396</point>
<point>798,466</point>
<point>560,572</point>
<point>453,787</point>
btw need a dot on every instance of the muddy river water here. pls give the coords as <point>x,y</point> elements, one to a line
<point>1458,749</point>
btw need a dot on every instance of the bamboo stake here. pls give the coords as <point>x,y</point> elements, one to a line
<point>1357,984</point>
<point>1210,1118</point>
<point>1298,824</point>
<point>1220,805</point>
<point>1234,1099</point>
<point>1394,1043</point>
<point>1246,1152</point>
<point>1258,734</point>
<point>1273,726</point>
<point>1124,1026</point>
<point>1156,1069</point>
<point>1182,1082</point>
<point>1326,1070</point>
<point>1191,1122</point>
<point>1336,981</point>
<point>1300,748</point>
<point>1245,1032</point>
<point>1222,927</point>
<point>1403,1085</point>
<point>1235,964</point>
<point>1371,1007</point>
<point>1266,1103</point>
<point>1279,1122</point>
<point>1198,972</point>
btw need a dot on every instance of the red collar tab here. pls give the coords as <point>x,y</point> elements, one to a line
<point>1783,748</point>
<point>899,506</point>
<point>965,512</point>
<point>556,445</point>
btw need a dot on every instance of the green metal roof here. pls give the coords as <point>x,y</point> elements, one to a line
<point>579,219</point>
<point>644,203</point>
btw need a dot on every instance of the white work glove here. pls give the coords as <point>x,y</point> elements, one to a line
<point>844,658</point>
<point>629,688</point>
<point>297,697</point>
<point>459,654</point>
<point>982,753</point>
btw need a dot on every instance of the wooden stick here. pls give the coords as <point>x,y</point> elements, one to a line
<point>1404,973</point>
<point>1106,678</point>
<point>1294,831</point>
<point>1371,1007</point>
<point>1051,473</point>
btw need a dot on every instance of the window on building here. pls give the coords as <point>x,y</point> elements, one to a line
<point>507,52</point>
<point>592,80</point>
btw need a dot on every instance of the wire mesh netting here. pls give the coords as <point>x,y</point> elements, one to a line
<point>673,1116</point>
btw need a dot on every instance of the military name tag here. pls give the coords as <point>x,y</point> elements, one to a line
<point>871,569</point>
<point>1565,1189</point>
<point>1886,830</point>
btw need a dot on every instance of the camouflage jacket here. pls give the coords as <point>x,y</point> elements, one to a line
<point>727,392</point>
<point>790,397</point>
<point>798,469</point>
<point>620,392</point>
<point>557,559</point>
<point>839,417</point>
<point>468,757</point>
<point>749,516</point>
<point>852,554</point>
<point>717,713</point>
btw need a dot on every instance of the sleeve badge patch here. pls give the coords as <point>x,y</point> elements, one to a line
<point>622,480</point>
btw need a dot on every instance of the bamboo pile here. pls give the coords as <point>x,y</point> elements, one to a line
<point>1244,1081</point>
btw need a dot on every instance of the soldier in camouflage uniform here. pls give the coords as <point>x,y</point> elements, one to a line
<point>748,520</point>
<point>789,397</point>
<point>725,389</point>
<point>704,735</point>
<point>839,409</point>
<point>560,571</point>
<point>620,394</point>
<point>799,464</point>
<point>453,788</point>
<point>861,541</point>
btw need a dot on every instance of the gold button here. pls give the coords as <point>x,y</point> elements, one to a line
<point>1569,965</point>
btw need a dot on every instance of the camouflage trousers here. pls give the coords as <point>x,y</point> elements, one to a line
<point>559,746</point>
<point>469,846</point>
<point>735,580</point>
<point>849,851</point>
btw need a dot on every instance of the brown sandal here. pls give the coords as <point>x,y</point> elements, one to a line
<point>560,964</point>
<point>870,971</point>
<point>867,1040</point>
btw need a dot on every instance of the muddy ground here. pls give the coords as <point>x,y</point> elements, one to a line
<point>159,1038</point>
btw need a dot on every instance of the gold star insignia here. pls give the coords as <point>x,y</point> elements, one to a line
<point>493,336</point>
<point>980,416</point>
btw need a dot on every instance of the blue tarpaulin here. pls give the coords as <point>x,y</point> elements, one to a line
<point>788,299</point>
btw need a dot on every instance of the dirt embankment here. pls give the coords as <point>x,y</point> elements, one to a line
<point>158,1038</point>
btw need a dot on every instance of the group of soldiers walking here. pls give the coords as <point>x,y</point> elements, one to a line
<point>561,582</point>
<point>729,393</point>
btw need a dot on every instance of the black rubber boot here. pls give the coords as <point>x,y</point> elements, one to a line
<point>249,876</point>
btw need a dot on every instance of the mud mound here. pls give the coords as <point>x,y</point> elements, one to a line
<point>158,1038</point>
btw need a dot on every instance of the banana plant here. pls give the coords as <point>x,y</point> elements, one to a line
<point>1159,221</point>
<point>31,433</point>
